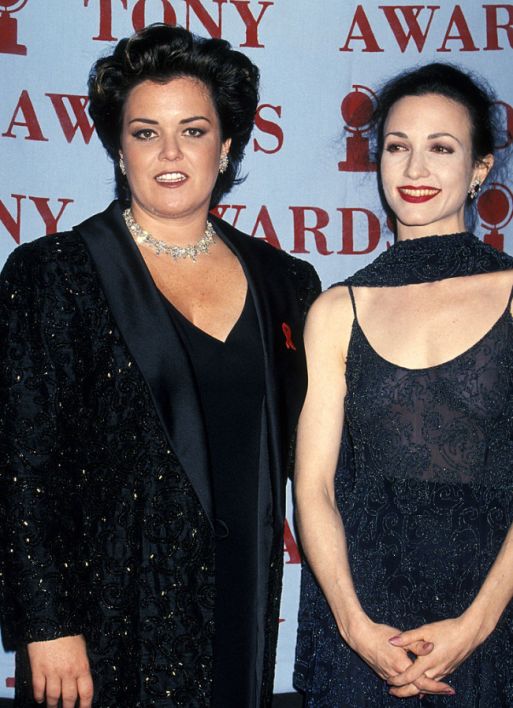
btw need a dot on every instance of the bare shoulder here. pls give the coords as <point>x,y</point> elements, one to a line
<point>492,289</point>
<point>333,305</point>
<point>330,319</point>
<point>505,277</point>
<point>504,280</point>
<point>501,278</point>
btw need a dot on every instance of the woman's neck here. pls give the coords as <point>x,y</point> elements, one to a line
<point>444,227</point>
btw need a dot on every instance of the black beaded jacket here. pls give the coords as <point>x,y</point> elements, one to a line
<point>106,517</point>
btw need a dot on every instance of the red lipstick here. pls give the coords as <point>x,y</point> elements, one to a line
<point>418,194</point>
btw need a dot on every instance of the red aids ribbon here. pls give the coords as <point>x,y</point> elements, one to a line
<point>288,336</point>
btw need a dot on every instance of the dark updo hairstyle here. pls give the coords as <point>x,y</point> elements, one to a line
<point>453,83</point>
<point>160,53</point>
<point>449,81</point>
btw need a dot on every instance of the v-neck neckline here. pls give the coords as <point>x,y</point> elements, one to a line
<point>187,322</point>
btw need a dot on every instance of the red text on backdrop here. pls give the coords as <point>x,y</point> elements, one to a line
<point>424,25</point>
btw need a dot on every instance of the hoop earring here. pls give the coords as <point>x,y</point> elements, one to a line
<point>122,166</point>
<point>475,188</point>
<point>223,163</point>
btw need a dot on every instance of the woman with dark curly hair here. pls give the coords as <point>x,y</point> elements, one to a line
<point>152,371</point>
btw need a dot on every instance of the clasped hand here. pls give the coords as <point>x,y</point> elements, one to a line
<point>451,641</point>
<point>391,660</point>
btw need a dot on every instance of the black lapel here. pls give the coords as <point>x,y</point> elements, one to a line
<point>148,331</point>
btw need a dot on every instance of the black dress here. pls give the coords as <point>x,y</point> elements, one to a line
<point>425,488</point>
<point>230,380</point>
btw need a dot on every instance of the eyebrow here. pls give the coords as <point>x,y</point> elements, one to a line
<point>432,136</point>
<point>193,118</point>
<point>143,120</point>
<point>149,121</point>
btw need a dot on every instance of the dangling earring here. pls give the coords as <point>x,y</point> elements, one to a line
<point>474,189</point>
<point>223,163</point>
<point>122,166</point>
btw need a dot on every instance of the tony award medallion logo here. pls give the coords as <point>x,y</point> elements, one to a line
<point>9,27</point>
<point>357,108</point>
<point>495,207</point>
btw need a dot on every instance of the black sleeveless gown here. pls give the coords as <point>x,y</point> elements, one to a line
<point>424,484</point>
<point>230,380</point>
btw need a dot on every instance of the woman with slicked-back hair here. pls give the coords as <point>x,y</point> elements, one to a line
<point>408,526</point>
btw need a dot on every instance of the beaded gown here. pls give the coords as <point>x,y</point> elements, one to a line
<point>424,485</point>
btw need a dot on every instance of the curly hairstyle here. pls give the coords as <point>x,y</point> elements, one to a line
<point>160,53</point>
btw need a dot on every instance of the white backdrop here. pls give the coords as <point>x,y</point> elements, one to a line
<point>311,185</point>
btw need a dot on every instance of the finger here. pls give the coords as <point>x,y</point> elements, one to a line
<point>411,675</point>
<point>404,691</point>
<point>408,692</point>
<point>53,691</point>
<point>413,689</point>
<point>404,638</point>
<point>38,687</point>
<point>420,648</point>
<point>428,685</point>
<point>399,666</point>
<point>69,692</point>
<point>85,691</point>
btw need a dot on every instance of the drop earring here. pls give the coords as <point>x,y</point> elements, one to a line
<point>474,189</point>
<point>223,163</point>
<point>122,166</point>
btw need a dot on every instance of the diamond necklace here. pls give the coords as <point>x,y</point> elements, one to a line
<point>158,246</point>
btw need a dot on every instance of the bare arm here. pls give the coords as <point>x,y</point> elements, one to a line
<point>320,524</point>
<point>318,445</point>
